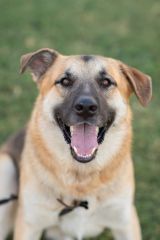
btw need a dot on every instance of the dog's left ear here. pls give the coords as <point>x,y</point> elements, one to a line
<point>38,62</point>
<point>140,83</point>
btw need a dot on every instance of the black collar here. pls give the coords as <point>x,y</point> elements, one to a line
<point>67,208</point>
<point>6,200</point>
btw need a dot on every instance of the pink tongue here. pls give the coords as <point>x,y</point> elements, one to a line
<point>84,139</point>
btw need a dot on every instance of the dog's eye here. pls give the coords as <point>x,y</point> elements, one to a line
<point>66,82</point>
<point>105,83</point>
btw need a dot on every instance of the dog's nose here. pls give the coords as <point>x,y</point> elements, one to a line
<point>86,106</point>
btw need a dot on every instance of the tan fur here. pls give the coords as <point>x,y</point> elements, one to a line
<point>49,172</point>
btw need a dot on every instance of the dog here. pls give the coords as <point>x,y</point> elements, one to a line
<point>71,167</point>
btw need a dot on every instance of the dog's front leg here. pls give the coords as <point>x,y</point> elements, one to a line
<point>25,230</point>
<point>130,230</point>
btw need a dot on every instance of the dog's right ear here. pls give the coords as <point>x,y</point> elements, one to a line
<point>38,62</point>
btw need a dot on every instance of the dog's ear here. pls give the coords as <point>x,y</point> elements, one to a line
<point>140,83</point>
<point>38,62</point>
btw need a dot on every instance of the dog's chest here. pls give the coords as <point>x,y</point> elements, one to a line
<point>90,222</point>
<point>81,222</point>
<point>104,210</point>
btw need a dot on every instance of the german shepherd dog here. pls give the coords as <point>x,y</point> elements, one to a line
<point>71,167</point>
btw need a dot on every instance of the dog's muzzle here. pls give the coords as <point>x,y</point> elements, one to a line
<point>84,134</point>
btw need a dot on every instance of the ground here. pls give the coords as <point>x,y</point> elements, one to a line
<point>127,30</point>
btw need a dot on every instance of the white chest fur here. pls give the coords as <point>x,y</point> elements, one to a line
<point>100,215</point>
<point>110,212</point>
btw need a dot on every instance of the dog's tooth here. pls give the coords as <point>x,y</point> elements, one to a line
<point>75,149</point>
<point>97,129</point>
<point>93,151</point>
<point>71,129</point>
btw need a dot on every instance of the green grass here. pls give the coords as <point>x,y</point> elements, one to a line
<point>126,29</point>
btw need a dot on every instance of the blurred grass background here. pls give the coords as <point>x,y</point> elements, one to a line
<point>127,30</point>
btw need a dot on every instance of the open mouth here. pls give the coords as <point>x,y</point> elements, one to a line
<point>83,139</point>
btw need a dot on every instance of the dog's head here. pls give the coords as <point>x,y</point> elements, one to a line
<point>85,95</point>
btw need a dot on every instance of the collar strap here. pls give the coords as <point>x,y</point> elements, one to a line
<point>67,208</point>
<point>6,200</point>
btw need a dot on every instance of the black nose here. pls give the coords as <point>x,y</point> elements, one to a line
<point>86,106</point>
